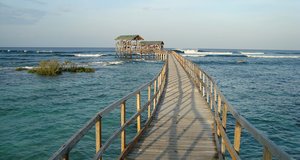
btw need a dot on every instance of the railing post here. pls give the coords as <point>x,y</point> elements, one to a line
<point>206,89</point>
<point>219,103</point>
<point>267,155</point>
<point>149,97</point>
<point>123,133</point>
<point>66,157</point>
<point>98,134</point>
<point>211,95</point>
<point>218,111</point>
<point>204,85</point>
<point>138,108</point>
<point>224,120</point>
<point>158,86</point>
<point>200,77</point>
<point>237,136</point>
<point>215,94</point>
<point>154,93</point>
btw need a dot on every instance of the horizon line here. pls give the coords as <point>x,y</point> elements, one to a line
<point>166,48</point>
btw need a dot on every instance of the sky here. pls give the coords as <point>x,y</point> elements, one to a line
<point>226,24</point>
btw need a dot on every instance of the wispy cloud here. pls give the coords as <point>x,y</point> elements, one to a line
<point>37,2</point>
<point>155,9</point>
<point>13,15</point>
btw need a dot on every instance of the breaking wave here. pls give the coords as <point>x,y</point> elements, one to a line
<point>265,56</point>
<point>103,63</point>
<point>252,53</point>
<point>88,55</point>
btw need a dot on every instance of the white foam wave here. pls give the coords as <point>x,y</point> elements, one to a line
<point>202,54</point>
<point>27,67</point>
<point>44,51</point>
<point>190,51</point>
<point>150,61</point>
<point>108,63</point>
<point>252,53</point>
<point>265,56</point>
<point>215,53</point>
<point>115,62</point>
<point>88,55</point>
<point>193,55</point>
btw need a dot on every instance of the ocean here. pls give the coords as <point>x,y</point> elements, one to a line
<point>38,114</point>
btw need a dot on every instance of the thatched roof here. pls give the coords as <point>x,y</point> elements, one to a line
<point>152,43</point>
<point>129,37</point>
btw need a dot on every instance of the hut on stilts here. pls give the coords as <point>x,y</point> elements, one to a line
<point>127,45</point>
<point>134,46</point>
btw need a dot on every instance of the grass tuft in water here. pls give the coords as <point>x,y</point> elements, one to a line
<point>54,68</point>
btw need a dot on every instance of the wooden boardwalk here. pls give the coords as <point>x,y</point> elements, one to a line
<point>183,125</point>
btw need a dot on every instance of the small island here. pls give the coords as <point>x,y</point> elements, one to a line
<point>54,68</point>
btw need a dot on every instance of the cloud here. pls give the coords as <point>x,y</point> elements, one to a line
<point>37,2</point>
<point>155,9</point>
<point>25,16</point>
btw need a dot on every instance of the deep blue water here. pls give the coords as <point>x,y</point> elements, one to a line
<point>38,114</point>
<point>265,89</point>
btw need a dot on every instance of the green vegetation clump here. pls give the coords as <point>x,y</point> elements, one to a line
<point>53,68</point>
<point>47,68</point>
<point>68,66</point>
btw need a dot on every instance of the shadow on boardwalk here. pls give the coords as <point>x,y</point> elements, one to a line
<point>182,128</point>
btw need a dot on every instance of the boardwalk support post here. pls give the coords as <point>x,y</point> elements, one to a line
<point>123,133</point>
<point>154,92</point>
<point>149,98</point>
<point>267,155</point>
<point>224,120</point>
<point>138,108</point>
<point>66,157</point>
<point>237,136</point>
<point>98,133</point>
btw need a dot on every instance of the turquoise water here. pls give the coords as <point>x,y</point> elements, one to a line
<point>265,89</point>
<point>38,114</point>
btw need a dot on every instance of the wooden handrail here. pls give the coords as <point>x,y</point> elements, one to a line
<point>161,77</point>
<point>220,106</point>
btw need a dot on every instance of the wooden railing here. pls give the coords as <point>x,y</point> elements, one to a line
<point>157,84</point>
<point>220,107</point>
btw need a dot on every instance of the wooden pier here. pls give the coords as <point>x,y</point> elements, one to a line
<point>183,125</point>
<point>186,119</point>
